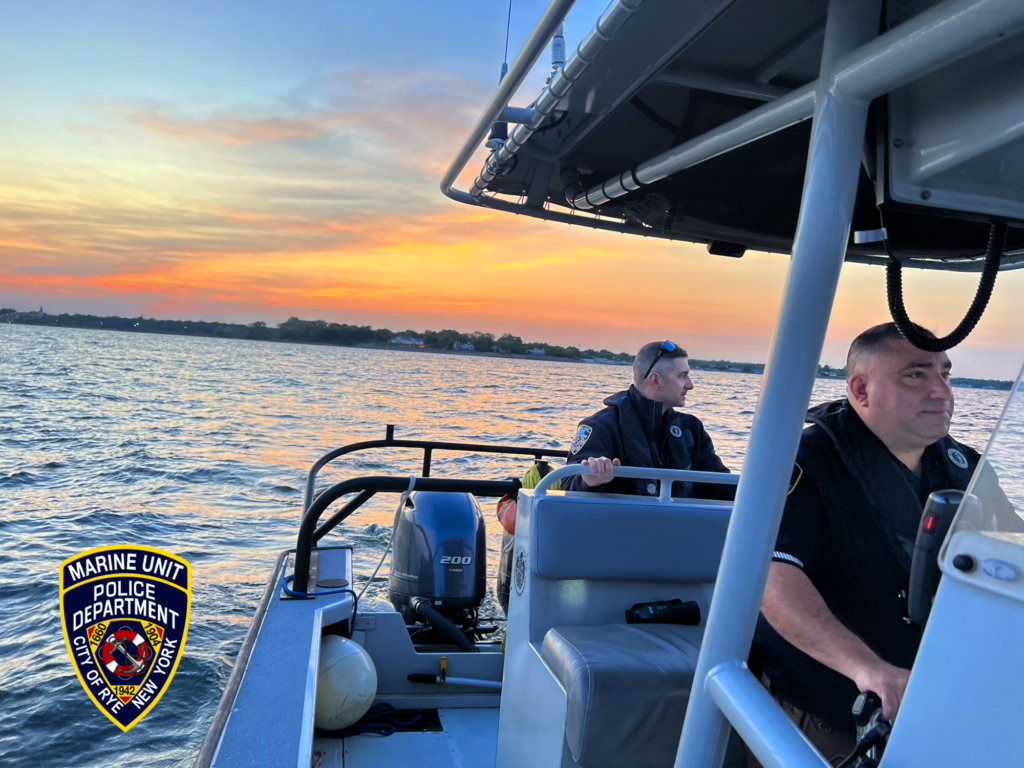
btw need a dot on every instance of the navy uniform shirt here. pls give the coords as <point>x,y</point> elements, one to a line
<point>850,522</point>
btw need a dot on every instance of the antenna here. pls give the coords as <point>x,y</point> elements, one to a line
<point>499,130</point>
<point>557,53</point>
<point>508,29</point>
<point>558,49</point>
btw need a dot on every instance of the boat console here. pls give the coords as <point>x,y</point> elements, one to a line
<point>582,686</point>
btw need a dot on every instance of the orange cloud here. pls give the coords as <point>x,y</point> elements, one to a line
<point>229,130</point>
<point>326,205</point>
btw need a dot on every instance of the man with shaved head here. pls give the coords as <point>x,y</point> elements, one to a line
<point>832,621</point>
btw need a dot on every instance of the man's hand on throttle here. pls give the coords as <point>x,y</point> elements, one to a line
<point>601,469</point>
<point>888,682</point>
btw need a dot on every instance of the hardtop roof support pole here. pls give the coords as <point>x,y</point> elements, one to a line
<point>830,187</point>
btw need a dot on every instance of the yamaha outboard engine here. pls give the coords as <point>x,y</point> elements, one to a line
<point>438,571</point>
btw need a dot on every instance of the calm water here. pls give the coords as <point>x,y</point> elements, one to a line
<point>200,447</point>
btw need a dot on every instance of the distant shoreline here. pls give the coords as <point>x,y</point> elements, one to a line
<point>466,353</point>
<point>754,369</point>
<point>383,347</point>
<point>322,333</point>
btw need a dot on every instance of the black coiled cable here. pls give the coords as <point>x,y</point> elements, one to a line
<point>913,332</point>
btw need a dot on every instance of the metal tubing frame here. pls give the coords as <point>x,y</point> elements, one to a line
<point>665,476</point>
<point>515,115</point>
<point>745,702</point>
<point>427,446</point>
<point>929,41</point>
<point>830,188</point>
<point>532,49</point>
<point>925,43</point>
<point>350,506</point>
<point>378,484</point>
<point>788,110</point>
<point>715,84</point>
<point>559,87</point>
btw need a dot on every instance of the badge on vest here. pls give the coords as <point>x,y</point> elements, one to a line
<point>676,431</point>
<point>957,458</point>
<point>582,435</point>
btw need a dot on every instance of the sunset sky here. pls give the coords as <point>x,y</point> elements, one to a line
<point>252,161</point>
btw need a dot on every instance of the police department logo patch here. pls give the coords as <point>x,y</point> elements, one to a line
<point>580,439</point>
<point>520,572</point>
<point>124,611</point>
<point>676,431</point>
<point>957,458</point>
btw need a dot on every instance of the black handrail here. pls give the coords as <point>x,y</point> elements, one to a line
<point>377,484</point>
<point>428,447</point>
<point>366,487</point>
<point>350,506</point>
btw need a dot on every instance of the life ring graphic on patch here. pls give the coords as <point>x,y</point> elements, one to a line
<point>119,647</point>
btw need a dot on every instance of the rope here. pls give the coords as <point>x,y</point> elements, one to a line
<point>379,721</point>
<point>401,503</point>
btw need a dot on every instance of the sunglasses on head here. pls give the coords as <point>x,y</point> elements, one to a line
<point>666,346</point>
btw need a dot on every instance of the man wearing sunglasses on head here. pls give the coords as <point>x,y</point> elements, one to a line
<point>641,428</point>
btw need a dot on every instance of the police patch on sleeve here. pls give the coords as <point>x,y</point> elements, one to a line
<point>580,438</point>
<point>957,458</point>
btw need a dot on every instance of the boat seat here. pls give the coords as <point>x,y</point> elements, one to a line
<point>627,687</point>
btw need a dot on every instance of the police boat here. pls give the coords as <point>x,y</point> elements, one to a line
<point>887,133</point>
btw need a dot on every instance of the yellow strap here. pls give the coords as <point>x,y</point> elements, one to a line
<point>795,482</point>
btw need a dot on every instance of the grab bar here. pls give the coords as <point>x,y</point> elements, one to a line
<point>428,447</point>
<point>665,476</point>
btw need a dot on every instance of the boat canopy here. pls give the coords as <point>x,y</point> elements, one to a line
<point>691,121</point>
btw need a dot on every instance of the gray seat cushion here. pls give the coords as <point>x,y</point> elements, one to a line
<point>627,687</point>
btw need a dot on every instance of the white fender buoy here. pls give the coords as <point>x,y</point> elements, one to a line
<point>346,683</point>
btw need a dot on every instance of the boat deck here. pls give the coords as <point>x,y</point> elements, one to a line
<point>469,740</point>
<point>271,719</point>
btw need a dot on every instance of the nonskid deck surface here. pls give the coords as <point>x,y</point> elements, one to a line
<point>469,740</point>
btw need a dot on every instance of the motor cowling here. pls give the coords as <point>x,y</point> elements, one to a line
<point>439,554</point>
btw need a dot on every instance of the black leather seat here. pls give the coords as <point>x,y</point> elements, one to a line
<point>627,688</point>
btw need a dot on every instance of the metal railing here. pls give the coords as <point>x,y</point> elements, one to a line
<point>427,446</point>
<point>366,488</point>
<point>933,39</point>
<point>664,476</point>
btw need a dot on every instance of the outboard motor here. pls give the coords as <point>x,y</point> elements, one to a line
<point>439,566</point>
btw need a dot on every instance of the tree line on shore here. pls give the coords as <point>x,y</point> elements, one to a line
<point>341,334</point>
<point>295,329</point>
